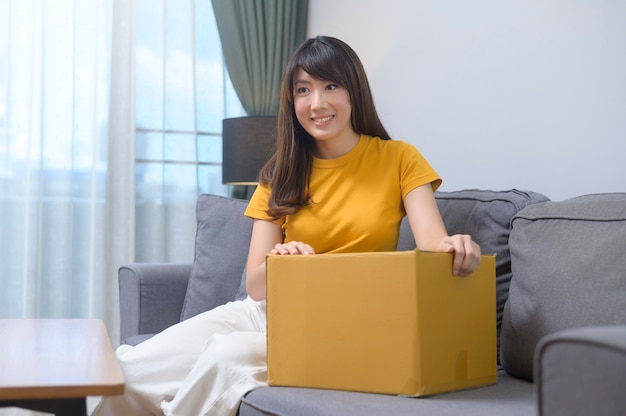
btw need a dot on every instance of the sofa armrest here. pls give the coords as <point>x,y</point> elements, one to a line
<point>151,297</point>
<point>582,371</point>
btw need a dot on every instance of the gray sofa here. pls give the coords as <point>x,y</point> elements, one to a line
<point>561,305</point>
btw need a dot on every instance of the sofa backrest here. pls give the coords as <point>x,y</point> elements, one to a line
<point>223,237</point>
<point>569,270</point>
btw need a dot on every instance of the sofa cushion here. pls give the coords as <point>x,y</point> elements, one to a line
<point>486,216</point>
<point>510,397</point>
<point>221,250</point>
<point>569,270</point>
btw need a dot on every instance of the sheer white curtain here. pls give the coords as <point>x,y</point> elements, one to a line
<point>110,127</point>
<point>54,96</point>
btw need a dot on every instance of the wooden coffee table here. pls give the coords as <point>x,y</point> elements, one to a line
<point>52,365</point>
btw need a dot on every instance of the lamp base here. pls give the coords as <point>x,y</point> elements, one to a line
<point>242,191</point>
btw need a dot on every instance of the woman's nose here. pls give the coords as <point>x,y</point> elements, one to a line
<point>318,99</point>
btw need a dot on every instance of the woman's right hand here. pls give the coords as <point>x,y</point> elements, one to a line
<point>267,238</point>
<point>292,247</point>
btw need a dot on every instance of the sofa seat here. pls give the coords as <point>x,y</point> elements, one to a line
<point>510,396</point>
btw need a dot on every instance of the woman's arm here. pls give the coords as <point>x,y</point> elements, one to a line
<point>267,237</point>
<point>430,232</point>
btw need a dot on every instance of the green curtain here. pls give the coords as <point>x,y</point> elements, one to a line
<point>258,36</point>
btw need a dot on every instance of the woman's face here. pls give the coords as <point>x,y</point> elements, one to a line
<point>322,108</point>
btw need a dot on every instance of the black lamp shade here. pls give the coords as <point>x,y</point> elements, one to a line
<point>247,143</point>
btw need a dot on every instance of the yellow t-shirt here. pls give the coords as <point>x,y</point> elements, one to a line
<point>356,198</point>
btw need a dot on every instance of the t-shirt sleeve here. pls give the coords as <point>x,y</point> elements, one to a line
<point>258,205</point>
<point>415,170</point>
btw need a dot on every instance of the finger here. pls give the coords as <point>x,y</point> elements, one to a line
<point>448,247</point>
<point>457,262</point>
<point>471,258</point>
<point>304,248</point>
<point>293,247</point>
<point>280,249</point>
<point>464,254</point>
<point>452,245</point>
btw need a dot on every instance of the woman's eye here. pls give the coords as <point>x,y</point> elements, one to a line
<point>301,90</point>
<point>332,87</point>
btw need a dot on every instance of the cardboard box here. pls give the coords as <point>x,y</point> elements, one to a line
<point>393,322</point>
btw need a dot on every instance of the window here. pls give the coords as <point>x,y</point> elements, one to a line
<point>182,94</point>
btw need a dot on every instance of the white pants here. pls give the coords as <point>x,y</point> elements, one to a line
<point>201,366</point>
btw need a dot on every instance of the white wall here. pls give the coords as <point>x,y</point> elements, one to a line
<point>497,94</point>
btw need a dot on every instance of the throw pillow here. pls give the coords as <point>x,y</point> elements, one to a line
<point>221,249</point>
<point>569,270</point>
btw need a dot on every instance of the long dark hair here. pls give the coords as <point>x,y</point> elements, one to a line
<point>288,172</point>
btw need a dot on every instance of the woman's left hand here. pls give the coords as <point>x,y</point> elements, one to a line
<point>466,253</point>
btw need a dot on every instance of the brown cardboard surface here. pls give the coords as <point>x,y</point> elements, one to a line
<point>391,322</point>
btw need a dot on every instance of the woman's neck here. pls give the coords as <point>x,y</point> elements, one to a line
<point>331,149</point>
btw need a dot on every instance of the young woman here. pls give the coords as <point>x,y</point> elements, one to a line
<point>337,183</point>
